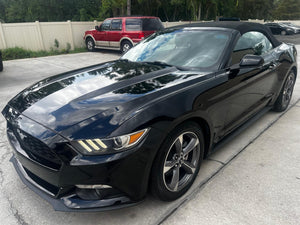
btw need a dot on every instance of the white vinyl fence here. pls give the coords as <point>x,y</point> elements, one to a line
<point>41,35</point>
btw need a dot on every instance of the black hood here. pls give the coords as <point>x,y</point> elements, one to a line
<point>94,95</point>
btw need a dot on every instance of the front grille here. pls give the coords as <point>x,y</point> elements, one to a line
<point>35,149</point>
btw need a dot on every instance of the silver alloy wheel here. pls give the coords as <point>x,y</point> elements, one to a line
<point>288,89</point>
<point>90,45</point>
<point>181,161</point>
<point>126,47</point>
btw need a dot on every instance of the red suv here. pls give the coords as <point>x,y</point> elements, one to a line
<point>121,32</point>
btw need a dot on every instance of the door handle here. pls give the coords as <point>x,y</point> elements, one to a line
<point>272,65</point>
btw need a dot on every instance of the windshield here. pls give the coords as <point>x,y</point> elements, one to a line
<point>187,48</point>
<point>288,25</point>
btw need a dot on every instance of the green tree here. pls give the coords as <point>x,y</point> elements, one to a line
<point>287,10</point>
<point>112,8</point>
<point>255,9</point>
<point>167,10</point>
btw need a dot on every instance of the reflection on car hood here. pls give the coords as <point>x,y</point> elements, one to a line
<point>64,100</point>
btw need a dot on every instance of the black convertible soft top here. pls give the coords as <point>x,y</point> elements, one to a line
<point>242,27</point>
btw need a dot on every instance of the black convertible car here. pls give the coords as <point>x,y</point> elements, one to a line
<point>283,28</point>
<point>98,138</point>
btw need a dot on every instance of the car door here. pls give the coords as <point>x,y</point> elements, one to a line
<point>250,88</point>
<point>277,29</point>
<point>273,27</point>
<point>115,34</point>
<point>101,35</point>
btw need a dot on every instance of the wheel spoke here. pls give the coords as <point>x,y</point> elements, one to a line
<point>181,161</point>
<point>169,165</point>
<point>290,84</point>
<point>178,144</point>
<point>191,146</point>
<point>175,179</point>
<point>188,167</point>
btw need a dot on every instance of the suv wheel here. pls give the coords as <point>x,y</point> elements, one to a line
<point>90,44</point>
<point>125,46</point>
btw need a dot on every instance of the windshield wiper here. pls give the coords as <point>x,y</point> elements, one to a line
<point>160,63</point>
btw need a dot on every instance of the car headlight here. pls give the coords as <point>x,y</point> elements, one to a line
<point>109,145</point>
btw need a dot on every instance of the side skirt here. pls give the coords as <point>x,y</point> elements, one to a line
<point>239,130</point>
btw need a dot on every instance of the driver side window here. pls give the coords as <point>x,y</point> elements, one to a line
<point>106,25</point>
<point>254,43</point>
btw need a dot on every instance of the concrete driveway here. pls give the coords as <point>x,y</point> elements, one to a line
<point>253,179</point>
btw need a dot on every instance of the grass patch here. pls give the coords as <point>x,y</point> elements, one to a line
<point>20,53</point>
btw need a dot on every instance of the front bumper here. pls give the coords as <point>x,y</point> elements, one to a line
<point>51,167</point>
<point>72,202</point>
<point>126,174</point>
<point>63,177</point>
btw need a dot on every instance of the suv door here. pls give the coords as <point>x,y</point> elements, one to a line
<point>115,34</point>
<point>101,35</point>
<point>252,87</point>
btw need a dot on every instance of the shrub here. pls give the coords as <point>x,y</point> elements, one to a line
<point>56,43</point>
<point>20,53</point>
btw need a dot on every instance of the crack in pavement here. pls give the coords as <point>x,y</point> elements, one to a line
<point>198,188</point>
<point>16,213</point>
<point>3,157</point>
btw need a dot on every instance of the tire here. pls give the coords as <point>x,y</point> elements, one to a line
<point>283,32</point>
<point>284,98</point>
<point>177,162</point>
<point>125,46</point>
<point>90,44</point>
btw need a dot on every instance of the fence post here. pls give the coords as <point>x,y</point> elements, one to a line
<point>71,34</point>
<point>38,28</point>
<point>166,24</point>
<point>2,36</point>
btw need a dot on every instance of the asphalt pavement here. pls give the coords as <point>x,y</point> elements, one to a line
<point>253,179</point>
<point>294,39</point>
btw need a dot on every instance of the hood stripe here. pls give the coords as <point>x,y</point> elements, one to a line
<point>125,83</point>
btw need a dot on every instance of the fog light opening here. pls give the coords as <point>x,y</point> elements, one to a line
<point>95,186</point>
<point>96,192</point>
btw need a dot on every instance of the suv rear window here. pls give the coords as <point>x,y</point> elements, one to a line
<point>145,24</point>
<point>133,24</point>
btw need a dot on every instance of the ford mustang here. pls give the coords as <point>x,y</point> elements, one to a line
<point>100,137</point>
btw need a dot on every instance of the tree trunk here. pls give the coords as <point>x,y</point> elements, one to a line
<point>174,14</point>
<point>199,11</point>
<point>128,7</point>
<point>194,11</point>
<point>166,14</point>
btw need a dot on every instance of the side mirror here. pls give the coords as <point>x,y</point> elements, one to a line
<point>252,61</point>
<point>97,28</point>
